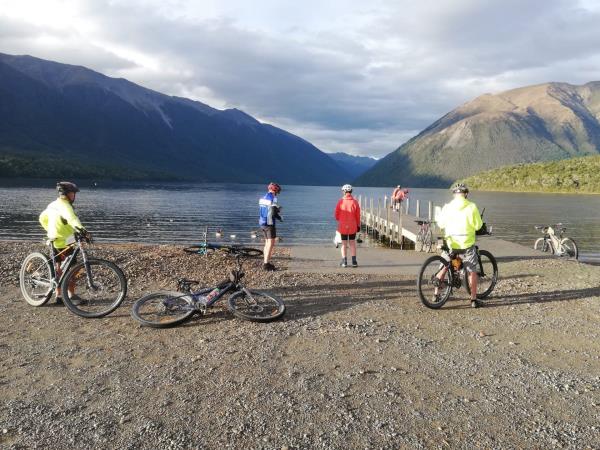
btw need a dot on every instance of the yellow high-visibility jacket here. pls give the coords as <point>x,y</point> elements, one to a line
<point>59,221</point>
<point>460,219</point>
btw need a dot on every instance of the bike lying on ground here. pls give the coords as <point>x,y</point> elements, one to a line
<point>556,245</point>
<point>205,248</point>
<point>168,308</point>
<point>424,241</point>
<point>99,286</point>
<point>439,276</point>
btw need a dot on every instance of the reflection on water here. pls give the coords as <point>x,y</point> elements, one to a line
<point>176,212</point>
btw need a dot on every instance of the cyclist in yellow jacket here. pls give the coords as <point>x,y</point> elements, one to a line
<point>460,219</point>
<point>60,222</point>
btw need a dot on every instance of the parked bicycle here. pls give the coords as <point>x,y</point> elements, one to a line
<point>424,241</point>
<point>205,248</point>
<point>99,286</point>
<point>438,276</point>
<point>556,245</point>
<point>168,308</point>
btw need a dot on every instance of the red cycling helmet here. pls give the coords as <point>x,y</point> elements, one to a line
<point>274,187</point>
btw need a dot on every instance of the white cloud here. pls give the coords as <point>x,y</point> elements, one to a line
<point>342,74</point>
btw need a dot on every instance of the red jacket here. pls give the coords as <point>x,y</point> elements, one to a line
<point>347,213</point>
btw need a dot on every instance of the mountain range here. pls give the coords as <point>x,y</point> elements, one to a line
<point>545,122</point>
<point>63,120</point>
<point>353,165</point>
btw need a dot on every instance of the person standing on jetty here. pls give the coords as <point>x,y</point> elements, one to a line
<point>396,198</point>
<point>268,213</point>
<point>60,222</point>
<point>460,219</point>
<point>398,195</point>
<point>347,213</point>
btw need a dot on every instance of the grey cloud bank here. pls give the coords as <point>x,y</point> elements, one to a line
<point>345,76</point>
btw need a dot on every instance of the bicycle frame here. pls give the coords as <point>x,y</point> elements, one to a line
<point>553,240</point>
<point>68,263</point>
<point>225,286</point>
<point>453,254</point>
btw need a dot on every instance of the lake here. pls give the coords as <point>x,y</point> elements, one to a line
<point>178,212</point>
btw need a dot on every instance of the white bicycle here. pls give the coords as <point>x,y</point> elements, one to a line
<point>556,244</point>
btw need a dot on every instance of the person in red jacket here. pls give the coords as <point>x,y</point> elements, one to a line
<point>347,213</point>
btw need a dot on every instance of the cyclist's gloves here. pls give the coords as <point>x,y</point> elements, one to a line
<point>84,234</point>
<point>276,215</point>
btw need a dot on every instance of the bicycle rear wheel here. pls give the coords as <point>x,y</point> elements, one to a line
<point>256,306</point>
<point>36,279</point>
<point>198,249</point>
<point>98,292</point>
<point>569,247</point>
<point>433,283</point>
<point>163,309</point>
<point>487,281</point>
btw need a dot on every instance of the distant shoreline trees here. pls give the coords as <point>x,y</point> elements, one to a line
<point>567,175</point>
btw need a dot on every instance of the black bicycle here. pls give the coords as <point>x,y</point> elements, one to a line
<point>424,241</point>
<point>205,248</point>
<point>168,308</point>
<point>438,276</point>
<point>91,288</point>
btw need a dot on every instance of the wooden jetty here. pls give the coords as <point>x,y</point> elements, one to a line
<point>379,219</point>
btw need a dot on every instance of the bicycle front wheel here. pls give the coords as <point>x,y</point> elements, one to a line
<point>250,252</point>
<point>36,279</point>
<point>569,247</point>
<point>428,241</point>
<point>543,245</point>
<point>419,241</point>
<point>94,293</point>
<point>433,283</point>
<point>488,275</point>
<point>256,306</point>
<point>163,309</point>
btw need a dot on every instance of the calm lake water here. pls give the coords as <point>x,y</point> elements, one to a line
<point>178,212</point>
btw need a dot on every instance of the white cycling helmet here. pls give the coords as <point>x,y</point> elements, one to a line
<point>347,188</point>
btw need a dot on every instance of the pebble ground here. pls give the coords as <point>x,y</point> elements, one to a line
<point>357,362</point>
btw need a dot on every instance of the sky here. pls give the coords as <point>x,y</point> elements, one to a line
<point>353,76</point>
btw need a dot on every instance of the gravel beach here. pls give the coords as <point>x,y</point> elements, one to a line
<point>356,362</point>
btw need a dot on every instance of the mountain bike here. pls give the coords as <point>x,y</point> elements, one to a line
<point>99,286</point>
<point>439,276</point>
<point>168,308</point>
<point>205,248</point>
<point>424,241</point>
<point>556,245</point>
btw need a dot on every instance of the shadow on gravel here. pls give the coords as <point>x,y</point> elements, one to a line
<point>517,277</point>
<point>506,259</point>
<point>539,297</point>
<point>313,301</point>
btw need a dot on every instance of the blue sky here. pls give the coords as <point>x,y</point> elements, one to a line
<point>354,76</point>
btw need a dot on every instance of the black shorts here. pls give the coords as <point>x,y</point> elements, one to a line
<point>348,237</point>
<point>60,254</point>
<point>269,231</point>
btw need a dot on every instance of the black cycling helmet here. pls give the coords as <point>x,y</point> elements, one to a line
<point>64,187</point>
<point>460,188</point>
